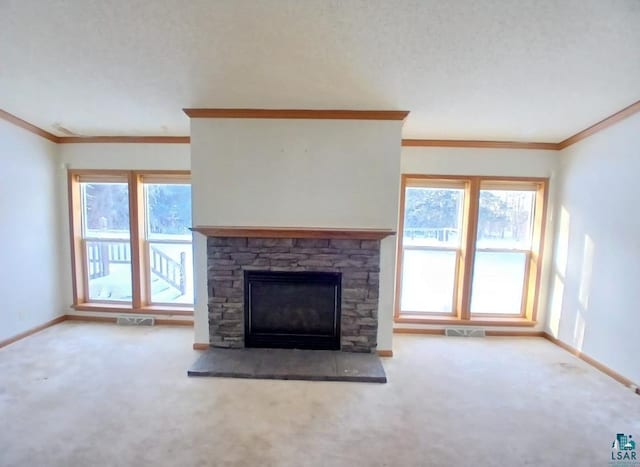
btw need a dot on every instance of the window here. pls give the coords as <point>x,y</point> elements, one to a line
<point>131,242</point>
<point>433,219</point>
<point>106,243</point>
<point>168,246</point>
<point>469,248</point>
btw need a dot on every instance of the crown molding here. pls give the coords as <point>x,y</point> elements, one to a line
<point>299,114</point>
<point>455,143</point>
<point>28,126</point>
<point>124,139</point>
<point>601,125</point>
<point>323,115</point>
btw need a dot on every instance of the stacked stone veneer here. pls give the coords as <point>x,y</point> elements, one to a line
<point>357,260</point>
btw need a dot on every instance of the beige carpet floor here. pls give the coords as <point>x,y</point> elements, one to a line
<point>85,394</point>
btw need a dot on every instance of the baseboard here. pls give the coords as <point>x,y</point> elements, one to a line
<point>197,346</point>
<point>432,332</point>
<point>507,333</point>
<point>385,353</point>
<point>95,319</point>
<point>31,331</point>
<point>114,319</point>
<point>174,322</point>
<point>490,333</point>
<point>594,363</point>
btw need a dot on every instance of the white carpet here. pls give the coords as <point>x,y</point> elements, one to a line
<point>86,394</point>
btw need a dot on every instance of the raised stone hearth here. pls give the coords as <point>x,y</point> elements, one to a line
<point>357,260</point>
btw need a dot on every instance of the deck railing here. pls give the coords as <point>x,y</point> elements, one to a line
<point>101,253</point>
<point>170,270</point>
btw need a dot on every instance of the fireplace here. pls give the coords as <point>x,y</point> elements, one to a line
<point>257,297</point>
<point>292,309</point>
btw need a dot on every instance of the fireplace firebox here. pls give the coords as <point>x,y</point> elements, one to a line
<point>292,309</point>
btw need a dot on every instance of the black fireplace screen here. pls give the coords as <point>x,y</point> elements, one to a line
<point>292,309</point>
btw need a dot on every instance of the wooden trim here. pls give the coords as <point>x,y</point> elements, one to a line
<point>29,332</point>
<point>432,320</point>
<point>601,125</point>
<point>489,333</point>
<point>432,332</point>
<point>99,175</point>
<point>172,177</point>
<point>141,300</point>
<point>464,273</point>
<point>509,333</point>
<point>182,310</point>
<point>91,139</point>
<point>528,282</point>
<point>114,319</point>
<point>538,240</point>
<point>399,248</point>
<point>299,114</point>
<point>294,232</point>
<point>173,322</point>
<point>147,310</point>
<point>589,131</point>
<point>97,319</point>
<point>385,353</point>
<point>139,286</point>
<point>28,126</point>
<point>75,238</point>
<point>125,139</point>
<point>482,178</point>
<point>327,114</point>
<point>453,143</point>
<point>468,248</point>
<point>102,306</point>
<point>179,174</point>
<point>594,363</point>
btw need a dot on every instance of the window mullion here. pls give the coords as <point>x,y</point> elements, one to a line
<point>80,289</point>
<point>136,201</point>
<point>537,245</point>
<point>467,257</point>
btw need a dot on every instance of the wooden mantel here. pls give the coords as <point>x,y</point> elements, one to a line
<point>293,232</point>
<point>316,114</point>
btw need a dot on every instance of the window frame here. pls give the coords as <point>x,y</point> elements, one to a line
<point>446,183</point>
<point>157,179</point>
<point>468,249</point>
<point>140,272</point>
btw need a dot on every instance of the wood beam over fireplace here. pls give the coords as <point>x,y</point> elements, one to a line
<point>293,232</point>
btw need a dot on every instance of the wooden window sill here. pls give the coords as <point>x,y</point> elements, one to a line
<point>488,321</point>
<point>148,310</point>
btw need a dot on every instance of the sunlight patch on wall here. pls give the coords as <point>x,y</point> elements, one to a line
<point>562,244</point>
<point>587,272</point>
<point>555,310</point>
<point>578,330</point>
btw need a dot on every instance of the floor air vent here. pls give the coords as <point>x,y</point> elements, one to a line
<point>135,321</point>
<point>464,332</point>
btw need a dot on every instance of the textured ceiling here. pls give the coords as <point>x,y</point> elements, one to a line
<point>511,70</point>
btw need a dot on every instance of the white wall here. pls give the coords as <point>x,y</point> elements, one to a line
<point>473,161</point>
<point>595,299</point>
<point>29,232</point>
<point>491,162</point>
<point>125,156</point>
<point>298,173</point>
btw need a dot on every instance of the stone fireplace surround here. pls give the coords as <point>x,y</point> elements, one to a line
<point>231,252</point>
